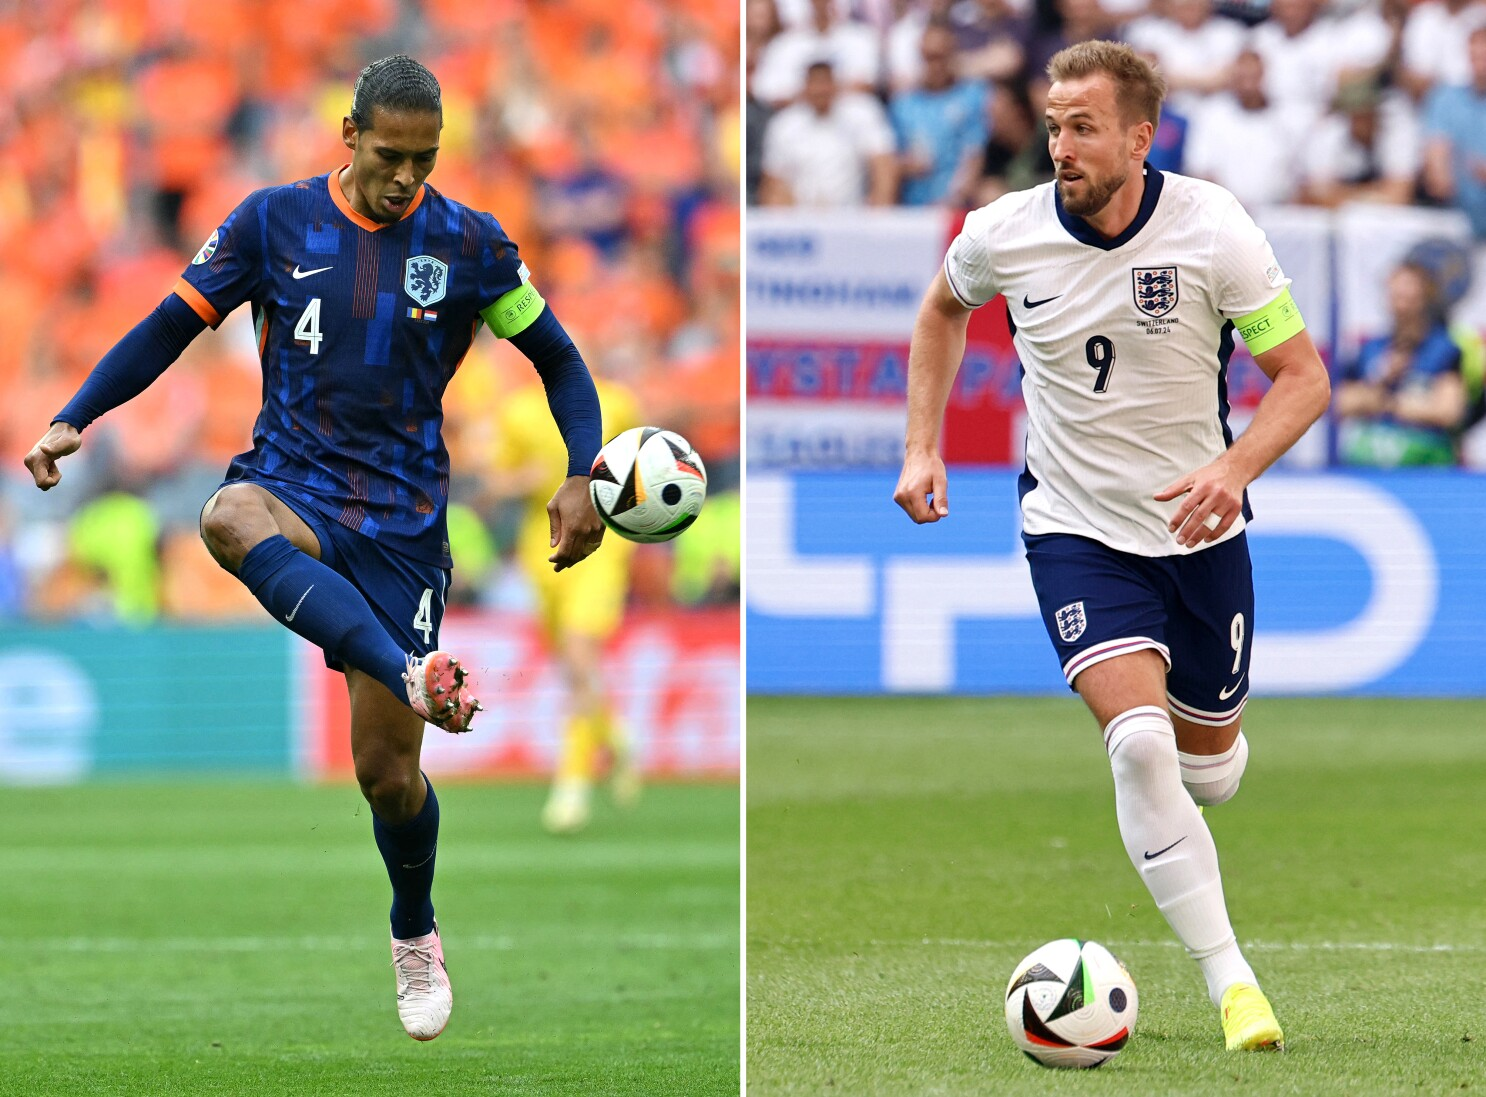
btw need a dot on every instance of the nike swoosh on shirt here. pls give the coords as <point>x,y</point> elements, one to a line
<point>306,273</point>
<point>1153,856</point>
<point>1223,695</point>
<point>1028,303</point>
<point>299,603</point>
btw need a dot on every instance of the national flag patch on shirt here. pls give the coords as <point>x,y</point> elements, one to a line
<point>428,316</point>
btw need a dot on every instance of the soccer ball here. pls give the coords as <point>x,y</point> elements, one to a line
<point>1071,1004</point>
<point>648,484</point>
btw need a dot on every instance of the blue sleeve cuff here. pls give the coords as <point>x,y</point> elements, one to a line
<point>570,390</point>
<point>135,361</point>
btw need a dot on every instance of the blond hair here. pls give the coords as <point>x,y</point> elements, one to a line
<point>1139,85</point>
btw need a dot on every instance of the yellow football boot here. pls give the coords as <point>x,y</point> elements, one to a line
<point>1248,1020</point>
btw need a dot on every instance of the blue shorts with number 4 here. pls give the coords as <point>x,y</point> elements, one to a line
<point>407,595</point>
<point>1196,609</point>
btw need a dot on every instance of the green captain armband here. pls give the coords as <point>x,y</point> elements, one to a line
<point>1266,328</point>
<point>512,313</point>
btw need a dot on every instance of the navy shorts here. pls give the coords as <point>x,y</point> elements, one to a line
<point>1196,609</point>
<point>407,595</point>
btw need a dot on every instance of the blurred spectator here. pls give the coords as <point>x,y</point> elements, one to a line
<point>1434,44</point>
<point>851,48</point>
<point>1193,48</point>
<point>830,149</point>
<point>990,37</point>
<point>1169,145</point>
<point>1245,119</point>
<point>1062,23</point>
<point>709,567</point>
<point>1403,399</point>
<point>902,46</point>
<point>1455,140</point>
<point>114,538</point>
<point>1366,151</point>
<point>586,200</point>
<point>1300,57</point>
<point>761,23</point>
<point>940,127</point>
<point>12,583</point>
<point>1015,156</point>
<point>755,120</point>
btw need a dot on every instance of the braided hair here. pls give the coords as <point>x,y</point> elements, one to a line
<point>395,83</point>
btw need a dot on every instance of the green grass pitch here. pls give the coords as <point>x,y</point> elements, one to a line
<point>904,853</point>
<point>231,938</point>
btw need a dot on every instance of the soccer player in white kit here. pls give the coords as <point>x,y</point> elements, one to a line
<point>1124,287</point>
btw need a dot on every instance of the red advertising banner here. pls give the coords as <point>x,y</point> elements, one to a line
<point>673,678</point>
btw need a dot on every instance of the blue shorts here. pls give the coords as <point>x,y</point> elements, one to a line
<point>1197,610</point>
<point>407,595</point>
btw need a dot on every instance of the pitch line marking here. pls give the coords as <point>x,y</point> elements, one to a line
<point>1257,946</point>
<point>479,943</point>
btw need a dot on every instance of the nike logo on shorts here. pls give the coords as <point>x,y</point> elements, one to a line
<point>1153,856</point>
<point>298,274</point>
<point>1028,303</point>
<point>1223,695</point>
<point>290,619</point>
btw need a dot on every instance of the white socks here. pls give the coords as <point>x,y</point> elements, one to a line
<point>1170,845</point>
<point>1213,778</point>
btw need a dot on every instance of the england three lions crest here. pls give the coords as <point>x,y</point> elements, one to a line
<point>1155,289</point>
<point>425,279</point>
<point>1071,621</point>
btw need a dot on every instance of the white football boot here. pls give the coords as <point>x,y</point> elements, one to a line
<point>424,997</point>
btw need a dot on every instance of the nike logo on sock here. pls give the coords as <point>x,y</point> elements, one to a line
<point>298,274</point>
<point>1153,856</point>
<point>1223,695</point>
<point>290,619</point>
<point>425,860</point>
<point>1028,303</point>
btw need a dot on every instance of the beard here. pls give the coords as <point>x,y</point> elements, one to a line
<point>1095,197</point>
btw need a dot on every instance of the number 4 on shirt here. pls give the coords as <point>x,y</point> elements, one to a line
<point>308,328</point>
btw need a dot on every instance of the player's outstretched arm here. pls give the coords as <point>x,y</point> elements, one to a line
<point>574,403</point>
<point>933,360</point>
<point>1298,395</point>
<point>129,368</point>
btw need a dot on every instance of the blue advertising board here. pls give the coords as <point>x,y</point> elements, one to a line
<point>79,702</point>
<point>1367,583</point>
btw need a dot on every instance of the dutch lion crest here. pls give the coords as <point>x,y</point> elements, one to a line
<point>425,279</point>
<point>1155,290</point>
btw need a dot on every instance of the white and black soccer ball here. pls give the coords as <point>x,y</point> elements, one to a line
<point>648,484</point>
<point>1071,1004</point>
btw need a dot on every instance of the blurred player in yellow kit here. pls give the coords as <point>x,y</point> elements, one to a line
<point>579,608</point>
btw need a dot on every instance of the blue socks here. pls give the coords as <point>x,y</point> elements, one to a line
<point>328,611</point>
<point>323,607</point>
<point>408,850</point>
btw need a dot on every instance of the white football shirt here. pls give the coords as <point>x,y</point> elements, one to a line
<point>1124,345</point>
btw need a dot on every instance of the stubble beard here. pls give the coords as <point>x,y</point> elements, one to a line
<point>1095,196</point>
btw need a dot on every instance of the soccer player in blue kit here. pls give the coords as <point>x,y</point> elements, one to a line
<point>367,288</point>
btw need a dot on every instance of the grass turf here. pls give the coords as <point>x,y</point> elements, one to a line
<point>904,853</point>
<point>232,938</point>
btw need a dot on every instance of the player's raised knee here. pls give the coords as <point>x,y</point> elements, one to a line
<point>1213,778</point>
<point>232,522</point>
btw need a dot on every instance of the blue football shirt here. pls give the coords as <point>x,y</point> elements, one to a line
<point>360,327</point>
